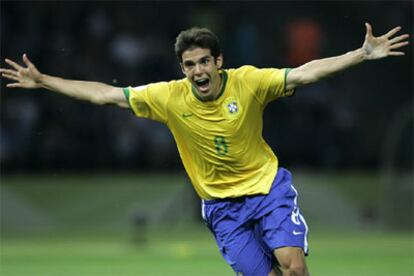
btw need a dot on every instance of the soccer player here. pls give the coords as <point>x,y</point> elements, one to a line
<point>215,115</point>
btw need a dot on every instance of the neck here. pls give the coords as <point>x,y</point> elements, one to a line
<point>219,88</point>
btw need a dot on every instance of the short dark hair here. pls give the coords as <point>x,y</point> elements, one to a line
<point>196,37</point>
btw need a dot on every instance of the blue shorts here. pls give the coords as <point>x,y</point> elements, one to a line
<point>248,229</point>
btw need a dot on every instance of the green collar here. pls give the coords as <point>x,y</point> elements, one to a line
<point>223,87</point>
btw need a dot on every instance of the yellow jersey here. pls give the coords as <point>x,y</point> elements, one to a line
<point>220,142</point>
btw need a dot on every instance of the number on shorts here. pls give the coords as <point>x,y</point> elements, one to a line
<point>295,216</point>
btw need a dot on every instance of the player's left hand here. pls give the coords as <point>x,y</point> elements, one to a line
<point>385,45</point>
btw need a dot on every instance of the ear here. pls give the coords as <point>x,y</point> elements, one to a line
<point>219,61</point>
<point>182,68</point>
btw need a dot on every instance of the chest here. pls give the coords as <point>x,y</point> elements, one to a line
<point>230,117</point>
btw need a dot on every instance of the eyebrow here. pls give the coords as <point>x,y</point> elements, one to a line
<point>190,62</point>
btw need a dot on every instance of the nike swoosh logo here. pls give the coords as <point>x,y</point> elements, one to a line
<point>297,233</point>
<point>186,115</point>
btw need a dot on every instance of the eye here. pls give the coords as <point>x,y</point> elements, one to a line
<point>188,65</point>
<point>205,61</point>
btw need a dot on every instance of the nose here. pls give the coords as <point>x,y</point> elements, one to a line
<point>197,69</point>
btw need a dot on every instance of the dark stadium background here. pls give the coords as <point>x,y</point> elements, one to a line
<point>340,123</point>
<point>72,167</point>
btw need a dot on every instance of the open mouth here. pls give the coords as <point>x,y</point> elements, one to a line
<point>203,84</point>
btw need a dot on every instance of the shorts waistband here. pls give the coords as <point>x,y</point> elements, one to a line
<point>279,176</point>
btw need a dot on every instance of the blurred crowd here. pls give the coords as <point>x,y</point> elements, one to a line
<point>338,123</point>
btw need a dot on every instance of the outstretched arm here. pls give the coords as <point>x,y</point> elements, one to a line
<point>373,48</point>
<point>30,78</point>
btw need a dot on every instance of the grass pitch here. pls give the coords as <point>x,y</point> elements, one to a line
<point>191,251</point>
<point>62,204</point>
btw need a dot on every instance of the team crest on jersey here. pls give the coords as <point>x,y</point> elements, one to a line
<point>232,108</point>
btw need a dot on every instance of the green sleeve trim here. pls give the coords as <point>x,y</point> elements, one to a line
<point>287,70</point>
<point>126,93</point>
<point>290,92</point>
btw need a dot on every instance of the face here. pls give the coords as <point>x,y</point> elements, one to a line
<point>202,71</point>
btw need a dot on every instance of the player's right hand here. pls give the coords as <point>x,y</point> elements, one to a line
<point>24,77</point>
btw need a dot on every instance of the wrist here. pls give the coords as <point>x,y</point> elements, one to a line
<point>361,54</point>
<point>42,80</point>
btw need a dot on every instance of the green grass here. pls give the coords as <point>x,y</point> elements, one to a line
<point>166,252</point>
<point>362,254</point>
<point>80,225</point>
<point>192,251</point>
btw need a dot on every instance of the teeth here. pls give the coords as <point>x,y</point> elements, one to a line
<point>202,81</point>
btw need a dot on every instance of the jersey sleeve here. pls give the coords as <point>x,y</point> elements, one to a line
<point>267,84</point>
<point>149,101</point>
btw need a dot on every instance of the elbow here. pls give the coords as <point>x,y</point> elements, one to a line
<point>98,100</point>
<point>308,79</point>
<point>305,80</point>
<point>301,76</point>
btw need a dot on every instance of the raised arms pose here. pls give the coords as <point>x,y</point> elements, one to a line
<point>215,115</point>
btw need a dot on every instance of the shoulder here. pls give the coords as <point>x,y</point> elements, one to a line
<point>240,71</point>
<point>177,89</point>
<point>179,85</point>
<point>162,86</point>
<point>240,74</point>
<point>250,72</point>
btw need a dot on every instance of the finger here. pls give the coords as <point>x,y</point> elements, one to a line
<point>13,85</point>
<point>27,61</point>
<point>392,32</point>
<point>13,64</point>
<point>10,77</point>
<point>398,45</point>
<point>369,29</point>
<point>396,53</point>
<point>8,71</point>
<point>399,38</point>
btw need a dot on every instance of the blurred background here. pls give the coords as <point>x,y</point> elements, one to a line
<point>98,173</point>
